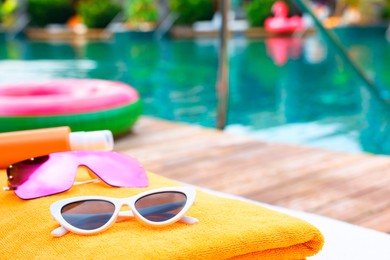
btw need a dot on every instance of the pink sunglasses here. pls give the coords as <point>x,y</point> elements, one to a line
<point>56,172</point>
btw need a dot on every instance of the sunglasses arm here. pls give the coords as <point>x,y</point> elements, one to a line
<point>86,182</point>
<point>59,232</point>
<point>188,220</point>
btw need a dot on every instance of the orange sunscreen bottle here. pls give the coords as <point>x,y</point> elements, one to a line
<point>21,145</point>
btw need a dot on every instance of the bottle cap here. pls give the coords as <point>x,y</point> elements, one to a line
<point>92,140</point>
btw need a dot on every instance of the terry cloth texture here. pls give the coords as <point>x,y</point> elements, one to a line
<point>227,229</point>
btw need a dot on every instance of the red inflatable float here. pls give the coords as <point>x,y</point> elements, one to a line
<point>281,23</point>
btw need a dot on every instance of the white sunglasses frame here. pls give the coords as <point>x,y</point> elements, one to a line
<point>55,210</point>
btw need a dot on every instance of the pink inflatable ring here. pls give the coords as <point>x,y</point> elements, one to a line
<point>82,104</point>
<point>65,96</point>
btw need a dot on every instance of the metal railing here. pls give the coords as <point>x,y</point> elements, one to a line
<point>342,51</point>
<point>222,86</point>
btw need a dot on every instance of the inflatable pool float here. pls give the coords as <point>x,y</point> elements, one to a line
<point>81,104</point>
<point>281,23</point>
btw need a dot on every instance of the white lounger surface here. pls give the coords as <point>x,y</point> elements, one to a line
<point>342,240</point>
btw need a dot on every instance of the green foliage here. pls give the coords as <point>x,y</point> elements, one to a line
<point>7,9</point>
<point>1,12</point>
<point>352,2</point>
<point>139,11</point>
<point>98,13</point>
<point>386,10</point>
<point>44,12</point>
<point>8,6</point>
<point>257,11</point>
<point>190,11</point>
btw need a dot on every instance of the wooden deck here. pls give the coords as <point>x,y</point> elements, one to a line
<point>351,187</point>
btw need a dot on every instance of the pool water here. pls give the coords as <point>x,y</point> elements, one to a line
<point>292,90</point>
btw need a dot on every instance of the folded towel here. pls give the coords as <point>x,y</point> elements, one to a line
<point>227,229</point>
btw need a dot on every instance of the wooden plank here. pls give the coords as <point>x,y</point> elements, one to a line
<point>336,179</point>
<point>349,187</point>
<point>379,221</point>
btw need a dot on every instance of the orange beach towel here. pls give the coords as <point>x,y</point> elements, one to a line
<point>227,229</point>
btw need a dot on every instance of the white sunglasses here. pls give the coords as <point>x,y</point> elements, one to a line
<point>92,214</point>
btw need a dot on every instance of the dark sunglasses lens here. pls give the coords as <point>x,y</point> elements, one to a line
<point>41,176</point>
<point>161,206</point>
<point>88,214</point>
<point>20,172</point>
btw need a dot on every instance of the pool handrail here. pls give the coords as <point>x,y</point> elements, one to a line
<point>342,51</point>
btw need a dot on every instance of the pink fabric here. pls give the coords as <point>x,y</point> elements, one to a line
<point>64,96</point>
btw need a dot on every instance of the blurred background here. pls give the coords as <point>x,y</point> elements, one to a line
<point>290,86</point>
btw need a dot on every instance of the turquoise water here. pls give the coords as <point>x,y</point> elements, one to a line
<point>306,95</point>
